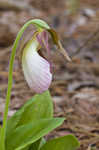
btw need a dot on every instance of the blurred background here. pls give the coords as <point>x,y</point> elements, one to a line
<point>75,86</point>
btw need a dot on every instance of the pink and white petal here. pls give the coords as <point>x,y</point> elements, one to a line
<point>43,41</point>
<point>36,70</point>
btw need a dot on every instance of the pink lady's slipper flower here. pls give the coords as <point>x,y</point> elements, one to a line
<point>36,68</point>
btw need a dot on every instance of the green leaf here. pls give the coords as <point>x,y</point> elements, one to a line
<point>26,148</point>
<point>38,107</point>
<point>68,142</point>
<point>29,133</point>
<point>36,145</point>
<point>43,141</point>
<point>33,146</point>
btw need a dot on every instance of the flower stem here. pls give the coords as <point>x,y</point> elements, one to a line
<point>39,24</point>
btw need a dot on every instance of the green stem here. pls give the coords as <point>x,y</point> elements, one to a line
<point>39,24</point>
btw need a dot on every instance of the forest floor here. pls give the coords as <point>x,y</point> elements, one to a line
<point>75,86</point>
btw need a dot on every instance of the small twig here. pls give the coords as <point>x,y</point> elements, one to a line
<point>85,132</point>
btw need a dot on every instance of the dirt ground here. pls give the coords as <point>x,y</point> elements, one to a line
<point>75,86</point>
